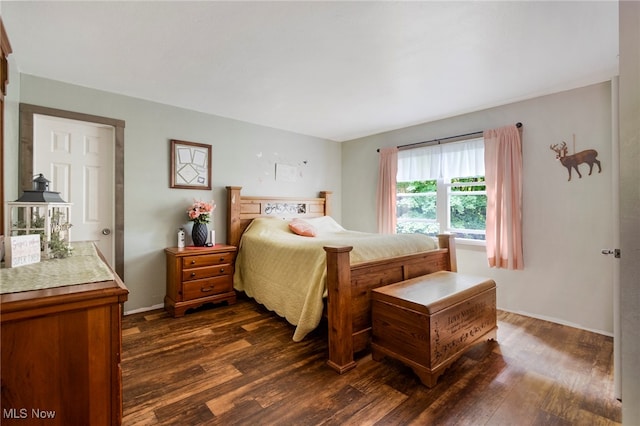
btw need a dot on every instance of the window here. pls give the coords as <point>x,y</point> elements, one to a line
<point>441,189</point>
<point>467,207</point>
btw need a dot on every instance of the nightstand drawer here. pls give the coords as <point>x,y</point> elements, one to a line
<point>206,272</point>
<point>207,260</point>
<point>207,287</point>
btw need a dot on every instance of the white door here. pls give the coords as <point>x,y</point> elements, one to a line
<point>78,158</point>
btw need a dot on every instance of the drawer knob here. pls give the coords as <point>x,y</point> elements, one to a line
<point>222,259</point>
<point>193,262</point>
<point>206,289</point>
<point>193,274</point>
<point>222,270</point>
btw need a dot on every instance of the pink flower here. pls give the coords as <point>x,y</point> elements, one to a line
<point>200,211</point>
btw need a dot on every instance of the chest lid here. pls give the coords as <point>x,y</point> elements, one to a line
<point>431,293</point>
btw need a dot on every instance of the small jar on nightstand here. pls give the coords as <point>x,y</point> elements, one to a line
<point>199,275</point>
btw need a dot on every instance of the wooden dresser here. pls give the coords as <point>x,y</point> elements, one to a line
<point>61,351</point>
<point>199,275</point>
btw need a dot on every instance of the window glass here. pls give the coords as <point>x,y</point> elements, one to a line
<point>416,207</point>
<point>468,207</point>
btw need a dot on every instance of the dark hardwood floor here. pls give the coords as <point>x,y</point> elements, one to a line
<point>238,365</point>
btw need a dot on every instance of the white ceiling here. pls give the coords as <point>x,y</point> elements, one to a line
<point>335,70</point>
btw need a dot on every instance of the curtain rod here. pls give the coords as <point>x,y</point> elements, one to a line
<point>440,140</point>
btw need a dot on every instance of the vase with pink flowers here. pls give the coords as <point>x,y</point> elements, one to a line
<point>200,213</point>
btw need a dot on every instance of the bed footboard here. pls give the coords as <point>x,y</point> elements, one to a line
<point>349,293</point>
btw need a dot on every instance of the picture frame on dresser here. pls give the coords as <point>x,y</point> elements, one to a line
<point>190,166</point>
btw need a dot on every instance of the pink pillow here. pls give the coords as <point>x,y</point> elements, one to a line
<point>300,227</point>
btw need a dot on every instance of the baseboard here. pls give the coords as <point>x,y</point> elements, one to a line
<point>558,321</point>
<point>149,308</point>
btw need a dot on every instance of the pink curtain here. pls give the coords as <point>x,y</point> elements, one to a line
<point>503,175</point>
<point>386,196</point>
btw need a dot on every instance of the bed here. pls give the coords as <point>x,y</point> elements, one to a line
<point>329,275</point>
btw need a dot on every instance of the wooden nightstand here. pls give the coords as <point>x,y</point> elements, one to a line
<point>199,275</point>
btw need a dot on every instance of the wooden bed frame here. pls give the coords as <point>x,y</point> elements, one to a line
<point>348,307</point>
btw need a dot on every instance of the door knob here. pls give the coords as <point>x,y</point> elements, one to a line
<point>106,231</point>
<point>614,252</point>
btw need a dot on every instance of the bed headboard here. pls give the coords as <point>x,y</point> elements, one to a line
<point>241,210</point>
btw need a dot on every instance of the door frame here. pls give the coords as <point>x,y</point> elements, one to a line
<point>25,166</point>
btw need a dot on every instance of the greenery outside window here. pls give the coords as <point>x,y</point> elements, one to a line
<point>456,205</point>
<point>467,207</point>
<point>430,202</point>
<point>416,207</point>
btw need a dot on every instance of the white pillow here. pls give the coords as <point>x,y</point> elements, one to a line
<point>325,224</point>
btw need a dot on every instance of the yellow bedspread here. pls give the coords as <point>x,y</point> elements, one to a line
<point>286,272</point>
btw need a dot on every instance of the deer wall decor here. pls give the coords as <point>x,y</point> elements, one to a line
<point>588,156</point>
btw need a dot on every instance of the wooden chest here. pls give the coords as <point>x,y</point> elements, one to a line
<point>429,321</point>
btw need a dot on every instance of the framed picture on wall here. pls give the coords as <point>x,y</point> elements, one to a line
<point>190,165</point>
